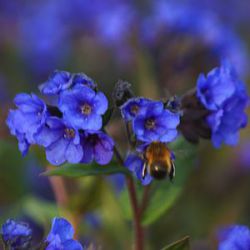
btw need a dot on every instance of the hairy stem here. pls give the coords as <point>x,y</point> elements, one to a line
<point>134,204</point>
<point>59,189</point>
<point>145,199</point>
<point>62,199</point>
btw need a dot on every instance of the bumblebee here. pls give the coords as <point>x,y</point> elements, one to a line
<point>158,161</point>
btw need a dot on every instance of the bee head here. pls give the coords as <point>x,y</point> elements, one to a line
<point>158,170</point>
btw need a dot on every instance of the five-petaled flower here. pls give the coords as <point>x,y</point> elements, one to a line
<point>156,123</point>
<point>61,142</point>
<point>134,107</point>
<point>83,108</point>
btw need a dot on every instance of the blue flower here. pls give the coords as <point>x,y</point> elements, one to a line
<point>25,122</point>
<point>226,122</point>
<point>44,35</point>
<point>199,24</point>
<point>135,164</point>
<point>62,80</point>
<point>61,142</point>
<point>156,124</point>
<point>236,237</point>
<point>16,235</point>
<point>81,78</point>
<point>13,121</point>
<point>58,81</point>
<point>61,236</point>
<point>97,146</point>
<point>82,107</point>
<point>134,107</point>
<point>219,85</point>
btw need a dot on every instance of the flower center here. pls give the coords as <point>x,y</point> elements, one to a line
<point>86,109</point>
<point>134,109</point>
<point>150,123</point>
<point>69,133</point>
<point>93,139</point>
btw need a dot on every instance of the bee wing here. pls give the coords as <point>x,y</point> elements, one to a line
<point>144,170</point>
<point>172,171</point>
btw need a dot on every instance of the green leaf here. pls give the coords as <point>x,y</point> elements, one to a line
<point>39,210</point>
<point>165,193</point>
<point>80,170</point>
<point>182,244</point>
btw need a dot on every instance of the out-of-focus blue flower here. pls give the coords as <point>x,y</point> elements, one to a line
<point>16,235</point>
<point>58,81</point>
<point>173,17</point>
<point>61,142</point>
<point>61,236</point>
<point>117,181</point>
<point>226,122</point>
<point>236,237</point>
<point>217,87</point>
<point>134,107</point>
<point>156,124</point>
<point>232,12</point>
<point>82,107</point>
<point>25,122</point>
<point>42,24</point>
<point>97,146</point>
<point>93,220</point>
<point>114,23</point>
<point>135,164</point>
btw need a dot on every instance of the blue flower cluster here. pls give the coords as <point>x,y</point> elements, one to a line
<point>225,96</point>
<point>17,235</point>
<point>236,237</point>
<point>150,122</point>
<point>70,131</point>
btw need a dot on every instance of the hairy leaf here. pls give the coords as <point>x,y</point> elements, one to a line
<point>182,244</point>
<point>80,170</point>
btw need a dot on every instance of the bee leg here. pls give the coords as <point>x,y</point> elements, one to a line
<point>172,172</point>
<point>144,170</point>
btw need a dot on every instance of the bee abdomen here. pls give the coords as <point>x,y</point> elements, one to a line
<point>158,171</point>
